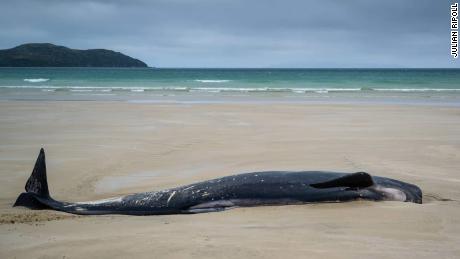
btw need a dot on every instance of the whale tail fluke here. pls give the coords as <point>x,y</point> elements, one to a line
<point>36,186</point>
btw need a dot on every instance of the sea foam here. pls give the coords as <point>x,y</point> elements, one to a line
<point>296,90</point>
<point>36,80</point>
<point>212,81</point>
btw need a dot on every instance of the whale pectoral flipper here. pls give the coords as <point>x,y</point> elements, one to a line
<point>356,180</point>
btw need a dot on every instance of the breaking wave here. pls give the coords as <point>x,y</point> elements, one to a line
<point>212,81</point>
<point>294,90</point>
<point>36,80</point>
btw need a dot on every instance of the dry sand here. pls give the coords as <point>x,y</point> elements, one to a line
<point>102,149</point>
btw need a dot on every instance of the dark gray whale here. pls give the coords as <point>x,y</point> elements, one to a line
<point>249,189</point>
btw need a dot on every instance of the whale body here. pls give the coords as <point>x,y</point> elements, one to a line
<point>241,190</point>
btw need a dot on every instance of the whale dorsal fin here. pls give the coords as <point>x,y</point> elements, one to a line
<point>355,180</point>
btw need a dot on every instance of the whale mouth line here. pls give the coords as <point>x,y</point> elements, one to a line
<point>388,193</point>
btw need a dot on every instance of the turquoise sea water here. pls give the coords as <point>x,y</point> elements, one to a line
<point>441,84</point>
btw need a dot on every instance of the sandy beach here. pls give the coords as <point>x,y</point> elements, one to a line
<point>101,149</point>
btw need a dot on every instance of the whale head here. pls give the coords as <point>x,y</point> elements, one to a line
<point>394,190</point>
<point>373,187</point>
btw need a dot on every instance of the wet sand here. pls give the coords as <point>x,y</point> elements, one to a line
<point>102,149</point>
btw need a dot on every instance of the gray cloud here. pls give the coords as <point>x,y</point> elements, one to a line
<point>237,33</point>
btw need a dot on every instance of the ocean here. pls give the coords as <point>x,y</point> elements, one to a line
<point>288,85</point>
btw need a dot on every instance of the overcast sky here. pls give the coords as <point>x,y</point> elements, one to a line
<point>242,33</point>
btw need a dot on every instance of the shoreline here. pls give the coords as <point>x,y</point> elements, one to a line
<point>411,99</point>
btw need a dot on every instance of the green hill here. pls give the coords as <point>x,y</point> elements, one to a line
<point>50,55</point>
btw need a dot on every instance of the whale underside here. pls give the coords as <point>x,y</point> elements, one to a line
<point>241,190</point>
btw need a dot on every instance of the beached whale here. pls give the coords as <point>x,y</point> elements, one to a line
<point>249,189</point>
